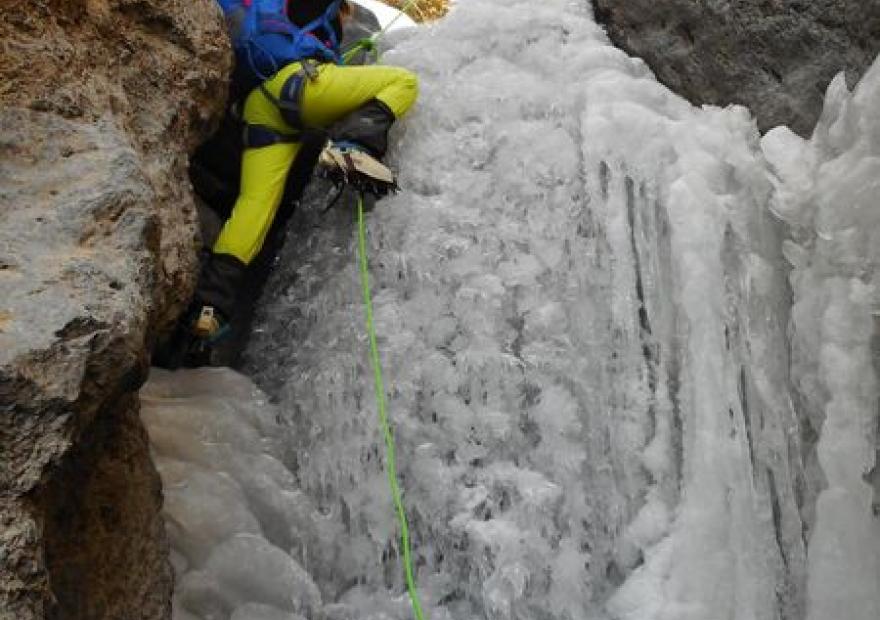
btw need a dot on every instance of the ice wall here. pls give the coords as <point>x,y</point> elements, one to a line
<point>584,315</point>
<point>830,195</point>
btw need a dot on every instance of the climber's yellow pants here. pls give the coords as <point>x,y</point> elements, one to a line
<point>336,92</point>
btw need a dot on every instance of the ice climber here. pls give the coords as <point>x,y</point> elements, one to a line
<point>288,64</point>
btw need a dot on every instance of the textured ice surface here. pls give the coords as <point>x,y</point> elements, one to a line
<point>233,512</point>
<point>627,346</point>
<point>835,250</point>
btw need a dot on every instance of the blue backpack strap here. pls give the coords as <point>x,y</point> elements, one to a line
<point>324,21</point>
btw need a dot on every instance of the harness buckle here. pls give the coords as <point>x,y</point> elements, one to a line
<point>310,69</point>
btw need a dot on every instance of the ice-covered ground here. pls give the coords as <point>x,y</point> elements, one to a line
<point>628,347</point>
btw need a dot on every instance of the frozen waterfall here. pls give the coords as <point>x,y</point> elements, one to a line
<point>628,352</point>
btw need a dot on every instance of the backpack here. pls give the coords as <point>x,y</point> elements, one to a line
<point>265,40</point>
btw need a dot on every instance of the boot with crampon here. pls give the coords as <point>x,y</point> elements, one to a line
<point>357,144</point>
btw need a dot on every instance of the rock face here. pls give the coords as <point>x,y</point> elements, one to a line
<point>100,103</point>
<point>775,56</point>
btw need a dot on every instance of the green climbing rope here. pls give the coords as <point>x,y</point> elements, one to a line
<point>369,43</point>
<point>391,461</point>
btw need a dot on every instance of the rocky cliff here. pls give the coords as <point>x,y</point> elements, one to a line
<point>775,56</point>
<point>100,103</point>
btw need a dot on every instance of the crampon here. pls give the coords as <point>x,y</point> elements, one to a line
<point>346,166</point>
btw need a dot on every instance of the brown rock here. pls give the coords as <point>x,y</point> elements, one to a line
<point>775,56</point>
<point>107,486</point>
<point>100,103</point>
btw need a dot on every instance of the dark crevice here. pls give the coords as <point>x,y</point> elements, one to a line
<point>777,516</point>
<point>671,360</point>
<point>742,388</point>
<point>684,31</point>
<point>649,349</point>
<point>673,384</point>
<point>644,320</point>
<point>774,73</point>
<point>79,327</point>
<point>604,177</point>
<point>873,476</point>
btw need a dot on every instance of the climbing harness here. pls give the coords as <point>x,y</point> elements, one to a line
<point>289,99</point>
<point>258,136</point>
<point>379,385</point>
<point>289,103</point>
